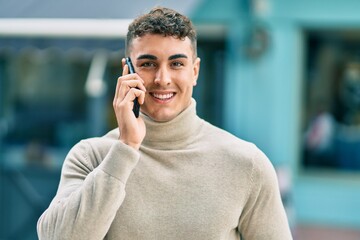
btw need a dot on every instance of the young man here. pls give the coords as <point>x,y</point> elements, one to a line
<point>167,174</point>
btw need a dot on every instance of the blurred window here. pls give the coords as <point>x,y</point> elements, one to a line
<point>331,124</point>
<point>45,105</point>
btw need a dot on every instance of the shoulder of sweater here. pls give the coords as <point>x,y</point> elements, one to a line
<point>95,147</point>
<point>106,140</point>
<point>224,139</point>
<point>90,152</point>
<point>236,148</point>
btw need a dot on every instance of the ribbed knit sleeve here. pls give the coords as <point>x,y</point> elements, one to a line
<point>91,190</point>
<point>263,216</point>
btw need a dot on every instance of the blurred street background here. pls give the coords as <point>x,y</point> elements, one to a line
<point>283,74</point>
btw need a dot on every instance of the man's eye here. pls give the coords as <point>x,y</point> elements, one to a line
<point>148,64</point>
<point>177,64</point>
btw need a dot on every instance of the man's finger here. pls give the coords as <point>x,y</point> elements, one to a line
<point>135,93</point>
<point>125,69</point>
<point>133,84</point>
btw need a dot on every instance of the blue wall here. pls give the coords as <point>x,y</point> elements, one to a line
<point>263,99</point>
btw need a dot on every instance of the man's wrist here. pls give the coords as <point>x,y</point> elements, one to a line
<point>136,146</point>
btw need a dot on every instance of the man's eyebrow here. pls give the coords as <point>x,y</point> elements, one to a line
<point>146,56</point>
<point>175,56</point>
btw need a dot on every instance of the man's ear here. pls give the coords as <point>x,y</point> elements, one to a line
<point>196,70</point>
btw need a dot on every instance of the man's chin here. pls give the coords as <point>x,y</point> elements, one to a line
<point>160,117</point>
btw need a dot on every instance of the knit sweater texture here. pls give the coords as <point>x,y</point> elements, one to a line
<point>189,180</point>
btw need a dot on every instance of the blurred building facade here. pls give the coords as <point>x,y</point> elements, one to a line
<point>283,74</point>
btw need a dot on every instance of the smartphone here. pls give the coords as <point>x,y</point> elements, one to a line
<point>136,108</point>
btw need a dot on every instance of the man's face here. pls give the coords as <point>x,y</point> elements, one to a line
<point>169,70</point>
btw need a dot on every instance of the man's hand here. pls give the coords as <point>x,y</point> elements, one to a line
<point>129,86</point>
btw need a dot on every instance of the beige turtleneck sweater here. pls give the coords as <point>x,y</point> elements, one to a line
<point>190,180</point>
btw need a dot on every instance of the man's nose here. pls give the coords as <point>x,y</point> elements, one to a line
<point>162,77</point>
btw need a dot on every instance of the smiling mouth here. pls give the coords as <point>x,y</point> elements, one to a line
<point>163,97</point>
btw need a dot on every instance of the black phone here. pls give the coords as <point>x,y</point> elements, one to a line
<point>136,108</point>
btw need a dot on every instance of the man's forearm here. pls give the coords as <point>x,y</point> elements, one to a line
<point>88,196</point>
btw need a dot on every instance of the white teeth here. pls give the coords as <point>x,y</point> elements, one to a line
<point>163,96</point>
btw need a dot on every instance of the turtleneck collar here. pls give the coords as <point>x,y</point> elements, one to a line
<point>174,134</point>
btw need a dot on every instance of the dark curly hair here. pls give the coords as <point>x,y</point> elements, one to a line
<point>163,21</point>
